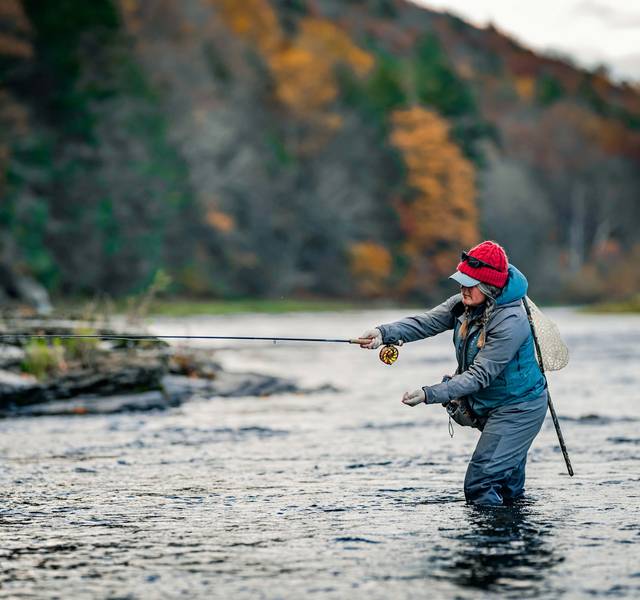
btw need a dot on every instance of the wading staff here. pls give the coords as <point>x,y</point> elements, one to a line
<point>552,410</point>
<point>388,354</point>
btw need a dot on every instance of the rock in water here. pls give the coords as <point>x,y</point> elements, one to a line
<point>135,376</point>
<point>11,356</point>
<point>100,405</point>
<point>13,383</point>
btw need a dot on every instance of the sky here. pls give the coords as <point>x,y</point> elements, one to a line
<point>591,32</point>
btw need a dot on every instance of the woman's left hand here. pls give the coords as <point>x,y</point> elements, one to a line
<point>414,398</point>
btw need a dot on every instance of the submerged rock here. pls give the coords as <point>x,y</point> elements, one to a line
<point>231,385</point>
<point>100,405</point>
<point>134,376</point>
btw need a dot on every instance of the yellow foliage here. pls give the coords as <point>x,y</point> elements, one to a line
<point>442,218</point>
<point>525,87</point>
<point>370,265</point>
<point>302,82</point>
<point>325,40</point>
<point>303,68</point>
<point>221,221</point>
<point>254,20</point>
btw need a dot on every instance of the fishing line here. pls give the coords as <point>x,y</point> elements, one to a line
<point>388,354</point>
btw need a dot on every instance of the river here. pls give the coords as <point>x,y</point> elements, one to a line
<point>336,494</point>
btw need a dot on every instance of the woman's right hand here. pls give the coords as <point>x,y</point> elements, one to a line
<point>375,339</point>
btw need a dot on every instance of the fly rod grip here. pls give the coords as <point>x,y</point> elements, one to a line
<point>360,341</point>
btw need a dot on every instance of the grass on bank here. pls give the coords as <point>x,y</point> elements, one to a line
<point>630,306</point>
<point>153,301</point>
<point>186,308</point>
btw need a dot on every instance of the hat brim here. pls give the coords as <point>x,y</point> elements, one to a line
<point>464,279</point>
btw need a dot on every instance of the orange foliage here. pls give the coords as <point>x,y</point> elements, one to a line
<point>605,133</point>
<point>221,221</point>
<point>304,70</point>
<point>526,88</point>
<point>254,20</point>
<point>614,138</point>
<point>324,39</point>
<point>442,218</point>
<point>302,67</point>
<point>370,265</point>
<point>302,83</point>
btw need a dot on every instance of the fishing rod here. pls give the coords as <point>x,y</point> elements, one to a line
<point>552,409</point>
<point>388,354</point>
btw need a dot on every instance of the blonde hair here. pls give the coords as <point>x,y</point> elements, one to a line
<point>491,292</point>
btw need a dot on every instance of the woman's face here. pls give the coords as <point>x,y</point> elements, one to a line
<point>472,296</point>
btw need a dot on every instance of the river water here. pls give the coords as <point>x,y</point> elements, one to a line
<point>331,495</point>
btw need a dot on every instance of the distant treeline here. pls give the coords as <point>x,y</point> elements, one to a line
<point>323,148</point>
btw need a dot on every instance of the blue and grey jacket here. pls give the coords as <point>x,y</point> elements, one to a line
<point>504,371</point>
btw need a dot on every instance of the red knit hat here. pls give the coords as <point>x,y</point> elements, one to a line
<point>492,254</point>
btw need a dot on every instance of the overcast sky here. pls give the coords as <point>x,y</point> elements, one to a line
<point>590,31</point>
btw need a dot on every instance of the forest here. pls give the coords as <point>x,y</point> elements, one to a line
<point>305,149</point>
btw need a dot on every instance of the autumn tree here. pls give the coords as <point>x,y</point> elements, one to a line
<point>370,265</point>
<point>440,217</point>
<point>303,66</point>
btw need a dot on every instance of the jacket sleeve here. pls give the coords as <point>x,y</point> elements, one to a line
<point>503,341</point>
<point>431,323</point>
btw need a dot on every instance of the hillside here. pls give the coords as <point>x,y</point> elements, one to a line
<point>304,147</point>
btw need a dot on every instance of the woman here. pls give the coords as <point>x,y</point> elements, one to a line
<point>497,370</point>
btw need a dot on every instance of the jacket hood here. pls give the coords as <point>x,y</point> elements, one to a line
<point>515,289</point>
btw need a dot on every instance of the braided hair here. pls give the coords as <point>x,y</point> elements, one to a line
<point>491,292</point>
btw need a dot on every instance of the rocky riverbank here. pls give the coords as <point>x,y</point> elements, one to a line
<point>57,375</point>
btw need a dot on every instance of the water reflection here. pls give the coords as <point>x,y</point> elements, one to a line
<point>503,549</point>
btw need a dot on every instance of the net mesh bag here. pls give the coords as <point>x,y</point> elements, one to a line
<point>555,354</point>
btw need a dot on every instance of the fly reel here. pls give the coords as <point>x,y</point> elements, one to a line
<point>389,354</point>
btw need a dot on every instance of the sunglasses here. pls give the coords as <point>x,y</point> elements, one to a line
<point>476,263</point>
